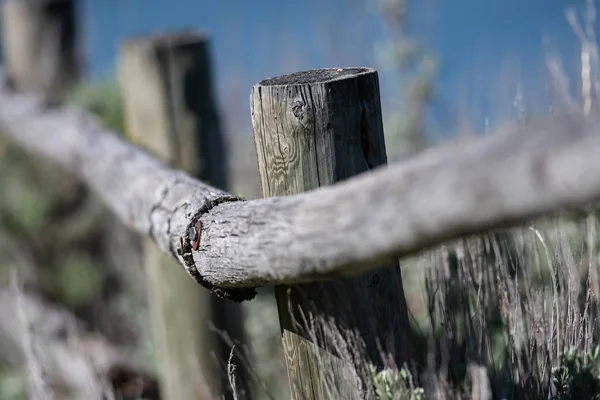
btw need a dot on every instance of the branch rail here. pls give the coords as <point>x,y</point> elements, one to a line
<point>361,223</point>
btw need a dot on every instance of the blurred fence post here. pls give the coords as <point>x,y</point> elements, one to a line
<point>40,47</point>
<point>170,110</point>
<point>312,129</point>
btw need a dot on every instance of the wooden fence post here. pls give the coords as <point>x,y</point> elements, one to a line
<point>170,110</point>
<point>40,47</point>
<point>312,129</point>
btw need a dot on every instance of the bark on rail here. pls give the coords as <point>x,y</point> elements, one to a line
<point>344,229</point>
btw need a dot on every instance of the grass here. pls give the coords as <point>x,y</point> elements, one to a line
<point>510,306</point>
<point>510,314</point>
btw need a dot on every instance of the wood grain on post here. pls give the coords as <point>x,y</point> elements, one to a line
<point>170,110</point>
<point>312,129</point>
<point>40,45</point>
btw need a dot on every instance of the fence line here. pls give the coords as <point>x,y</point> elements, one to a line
<point>361,223</point>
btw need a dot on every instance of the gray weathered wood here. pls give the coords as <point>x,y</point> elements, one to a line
<point>40,45</point>
<point>314,129</point>
<point>170,110</point>
<point>353,226</point>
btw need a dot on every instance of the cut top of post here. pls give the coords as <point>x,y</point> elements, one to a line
<point>317,127</point>
<point>313,76</point>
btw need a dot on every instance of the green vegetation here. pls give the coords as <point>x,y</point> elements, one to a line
<point>578,376</point>
<point>391,384</point>
<point>414,67</point>
<point>103,99</point>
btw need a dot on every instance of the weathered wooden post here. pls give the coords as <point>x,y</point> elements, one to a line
<point>170,110</point>
<point>312,129</point>
<point>40,47</point>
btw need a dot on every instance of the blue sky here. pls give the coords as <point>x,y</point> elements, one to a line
<point>485,47</point>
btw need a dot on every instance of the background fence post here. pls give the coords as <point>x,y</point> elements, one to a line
<point>312,129</point>
<point>40,47</point>
<point>170,110</point>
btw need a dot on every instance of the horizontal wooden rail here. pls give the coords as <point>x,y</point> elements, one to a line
<point>344,229</point>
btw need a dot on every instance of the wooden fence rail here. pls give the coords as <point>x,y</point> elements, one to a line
<point>359,224</point>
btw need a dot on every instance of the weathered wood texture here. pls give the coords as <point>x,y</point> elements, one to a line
<point>314,129</point>
<point>40,48</point>
<point>348,228</point>
<point>170,110</point>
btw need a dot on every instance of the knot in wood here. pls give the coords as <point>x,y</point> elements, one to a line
<point>297,107</point>
<point>302,112</point>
